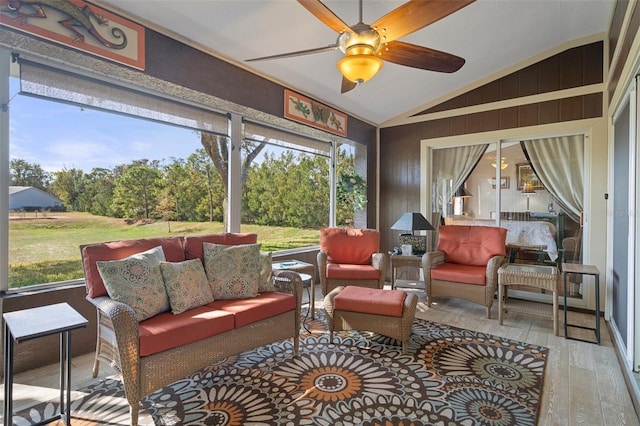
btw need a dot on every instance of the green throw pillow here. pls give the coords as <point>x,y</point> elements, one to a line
<point>233,272</point>
<point>186,284</point>
<point>137,282</point>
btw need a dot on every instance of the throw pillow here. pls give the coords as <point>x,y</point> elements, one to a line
<point>233,272</point>
<point>266,270</point>
<point>137,282</point>
<point>186,284</point>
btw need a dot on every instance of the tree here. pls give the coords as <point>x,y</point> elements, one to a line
<point>68,185</point>
<point>136,191</point>
<point>23,173</point>
<point>97,196</point>
<point>217,148</point>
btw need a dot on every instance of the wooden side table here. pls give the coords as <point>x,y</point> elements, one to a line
<point>301,267</point>
<point>29,324</point>
<point>575,268</point>
<point>400,261</point>
<point>538,276</point>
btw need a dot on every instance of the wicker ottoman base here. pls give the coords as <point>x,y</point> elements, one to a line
<point>396,327</point>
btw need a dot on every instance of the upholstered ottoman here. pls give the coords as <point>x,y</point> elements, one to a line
<point>386,312</point>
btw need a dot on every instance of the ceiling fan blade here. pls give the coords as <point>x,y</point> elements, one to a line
<point>347,85</point>
<point>413,15</point>
<point>297,53</point>
<point>323,13</point>
<point>414,56</point>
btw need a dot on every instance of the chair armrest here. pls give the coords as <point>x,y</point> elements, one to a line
<point>380,261</point>
<point>124,325</point>
<point>492,270</point>
<point>432,259</point>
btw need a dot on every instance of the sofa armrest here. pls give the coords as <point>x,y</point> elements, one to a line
<point>121,319</point>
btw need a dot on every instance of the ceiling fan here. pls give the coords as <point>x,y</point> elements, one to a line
<point>366,46</point>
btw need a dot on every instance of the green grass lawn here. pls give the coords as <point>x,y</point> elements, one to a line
<point>46,249</point>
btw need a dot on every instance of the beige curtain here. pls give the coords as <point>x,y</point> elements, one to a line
<point>559,164</point>
<point>451,168</point>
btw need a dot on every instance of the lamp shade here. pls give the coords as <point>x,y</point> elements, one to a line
<point>462,192</point>
<point>412,222</point>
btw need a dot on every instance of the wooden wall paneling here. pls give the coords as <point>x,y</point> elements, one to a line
<point>593,65</point>
<point>592,105</point>
<point>616,26</point>
<point>458,125</point>
<point>571,68</point>
<point>571,108</point>
<point>508,118</point>
<point>549,112</point>
<point>490,120</point>
<point>528,81</point>
<point>527,115</point>
<point>474,123</point>
<point>625,48</point>
<point>549,75</point>
<point>509,86</point>
<point>491,92</point>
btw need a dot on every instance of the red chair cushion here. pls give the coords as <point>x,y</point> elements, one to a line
<point>370,301</point>
<point>345,245</point>
<point>458,273</point>
<point>352,272</point>
<point>471,245</point>
<point>193,244</point>
<point>91,253</point>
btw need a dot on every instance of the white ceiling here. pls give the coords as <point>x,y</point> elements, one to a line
<point>492,35</point>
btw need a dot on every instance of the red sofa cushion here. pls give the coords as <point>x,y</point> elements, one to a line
<point>91,253</point>
<point>167,331</point>
<point>193,244</point>
<point>355,272</point>
<point>458,273</point>
<point>370,301</point>
<point>345,245</point>
<point>471,245</point>
<point>263,306</point>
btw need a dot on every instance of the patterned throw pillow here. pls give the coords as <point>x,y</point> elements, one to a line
<point>266,271</point>
<point>186,284</point>
<point>137,282</point>
<point>233,272</point>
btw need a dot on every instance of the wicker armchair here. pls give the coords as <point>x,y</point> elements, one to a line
<point>465,264</point>
<point>350,257</point>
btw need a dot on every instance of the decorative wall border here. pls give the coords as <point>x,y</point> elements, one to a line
<point>79,25</point>
<point>304,110</point>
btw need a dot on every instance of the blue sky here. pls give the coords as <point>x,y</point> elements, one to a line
<point>57,136</point>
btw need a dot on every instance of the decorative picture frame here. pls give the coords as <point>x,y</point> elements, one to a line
<point>524,174</point>
<point>504,183</point>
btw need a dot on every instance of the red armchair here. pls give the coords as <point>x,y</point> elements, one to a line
<point>351,257</point>
<point>465,264</point>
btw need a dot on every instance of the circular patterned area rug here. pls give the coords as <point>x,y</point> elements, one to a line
<point>449,376</point>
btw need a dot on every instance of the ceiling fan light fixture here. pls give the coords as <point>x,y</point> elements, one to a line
<point>359,64</point>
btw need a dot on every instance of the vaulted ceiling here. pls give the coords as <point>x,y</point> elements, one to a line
<point>493,36</point>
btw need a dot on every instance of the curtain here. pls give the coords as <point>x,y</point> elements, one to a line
<point>559,164</point>
<point>452,167</point>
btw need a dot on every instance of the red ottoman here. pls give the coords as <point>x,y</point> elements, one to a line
<point>386,312</point>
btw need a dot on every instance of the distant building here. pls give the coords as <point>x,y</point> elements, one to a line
<point>30,198</point>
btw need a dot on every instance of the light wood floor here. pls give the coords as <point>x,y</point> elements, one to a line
<point>583,382</point>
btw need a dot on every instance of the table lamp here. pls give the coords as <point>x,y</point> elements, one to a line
<point>413,222</point>
<point>528,191</point>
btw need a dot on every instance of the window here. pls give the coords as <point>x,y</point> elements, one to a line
<point>126,164</point>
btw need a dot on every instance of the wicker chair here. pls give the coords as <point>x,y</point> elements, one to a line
<point>465,264</point>
<point>351,257</point>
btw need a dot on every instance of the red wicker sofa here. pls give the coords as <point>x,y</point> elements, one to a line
<point>159,350</point>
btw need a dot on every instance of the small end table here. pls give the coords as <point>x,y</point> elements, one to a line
<point>29,324</point>
<point>400,261</point>
<point>301,267</point>
<point>538,276</point>
<point>576,268</point>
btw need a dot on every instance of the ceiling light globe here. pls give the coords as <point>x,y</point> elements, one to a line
<point>359,68</point>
